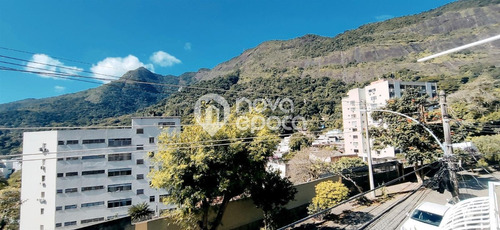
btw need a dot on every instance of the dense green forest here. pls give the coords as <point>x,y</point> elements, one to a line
<point>314,72</point>
<point>135,90</point>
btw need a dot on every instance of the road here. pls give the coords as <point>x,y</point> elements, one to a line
<point>470,185</point>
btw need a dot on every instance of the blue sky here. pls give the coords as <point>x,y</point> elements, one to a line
<point>169,37</point>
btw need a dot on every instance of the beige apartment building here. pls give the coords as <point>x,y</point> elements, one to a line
<point>372,97</point>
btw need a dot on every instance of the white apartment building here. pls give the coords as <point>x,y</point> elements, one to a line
<point>373,96</point>
<point>77,178</point>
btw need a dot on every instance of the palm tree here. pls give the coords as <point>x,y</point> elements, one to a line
<point>140,212</point>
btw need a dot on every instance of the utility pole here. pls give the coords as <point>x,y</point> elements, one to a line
<point>448,155</point>
<point>369,153</point>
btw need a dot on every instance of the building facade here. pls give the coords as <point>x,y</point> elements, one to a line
<point>76,178</point>
<point>373,96</point>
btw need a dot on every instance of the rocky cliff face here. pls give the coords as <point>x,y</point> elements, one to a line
<point>379,48</point>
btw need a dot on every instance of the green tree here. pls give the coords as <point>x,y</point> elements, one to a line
<point>344,166</point>
<point>299,141</point>
<point>477,100</point>
<point>489,146</point>
<point>270,194</point>
<point>15,179</point>
<point>10,205</point>
<point>328,194</point>
<point>140,211</point>
<point>416,144</point>
<point>205,172</point>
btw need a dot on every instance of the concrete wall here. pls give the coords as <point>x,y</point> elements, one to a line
<point>243,214</point>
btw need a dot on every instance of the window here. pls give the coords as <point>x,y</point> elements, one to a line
<point>59,191</point>
<point>72,142</point>
<point>60,174</point>
<point>41,227</point>
<point>43,178</point>
<point>60,159</point>
<point>91,188</point>
<point>92,220</point>
<point>119,203</point>
<point>93,141</point>
<point>70,223</point>
<point>58,208</point>
<point>71,190</point>
<point>355,136</point>
<point>72,174</point>
<point>119,172</point>
<point>140,161</point>
<point>60,142</point>
<point>354,129</point>
<point>72,158</point>
<point>140,176</point>
<point>58,225</point>
<point>119,142</point>
<point>151,198</point>
<point>73,206</point>
<point>140,147</point>
<point>119,187</point>
<point>151,168</point>
<point>92,204</point>
<point>92,172</point>
<point>166,124</point>
<point>92,157</point>
<point>120,157</point>
<point>356,150</point>
<point>151,140</point>
<point>139,131</point>
<point>140,191</point>
<point>42,211</point>
<point>42,194</point>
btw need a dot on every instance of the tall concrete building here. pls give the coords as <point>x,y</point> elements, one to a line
<point>373,96</point>
<point>76,178</point>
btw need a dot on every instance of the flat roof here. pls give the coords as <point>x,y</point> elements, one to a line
<point>168,117</point>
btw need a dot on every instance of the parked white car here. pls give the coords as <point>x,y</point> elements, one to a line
<point>427,216</point>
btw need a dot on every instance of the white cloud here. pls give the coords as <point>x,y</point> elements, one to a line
<point>114,67</point>
<point>187,46</point>
<point>383,17</point>
<point>44,63</point>
<point>59,89</point>
<point>164,59</point>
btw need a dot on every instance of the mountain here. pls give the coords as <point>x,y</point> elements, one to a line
<point>379,48</point>
<point>316,72</point>
<point>136,89</point>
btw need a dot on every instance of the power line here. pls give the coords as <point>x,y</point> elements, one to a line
<point>352,198</point>
<point>119,79</point>
<point>245,141</point>
<point>155,148</point>
<point>60,58</point>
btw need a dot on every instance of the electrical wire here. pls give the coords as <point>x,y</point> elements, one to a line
<point>163,146</point>
<point>352,198</point>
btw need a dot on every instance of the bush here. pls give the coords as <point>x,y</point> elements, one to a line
<point>328,194</point>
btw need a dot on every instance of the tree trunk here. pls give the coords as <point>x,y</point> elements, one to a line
<point>418,173</point>
<point>205,205</point>
<point>267,218</point>
<point>222,208</point>
<point>360,190</point>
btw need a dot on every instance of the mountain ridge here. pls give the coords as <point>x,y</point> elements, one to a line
<point>404,39</point>
<point>314,65</point>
